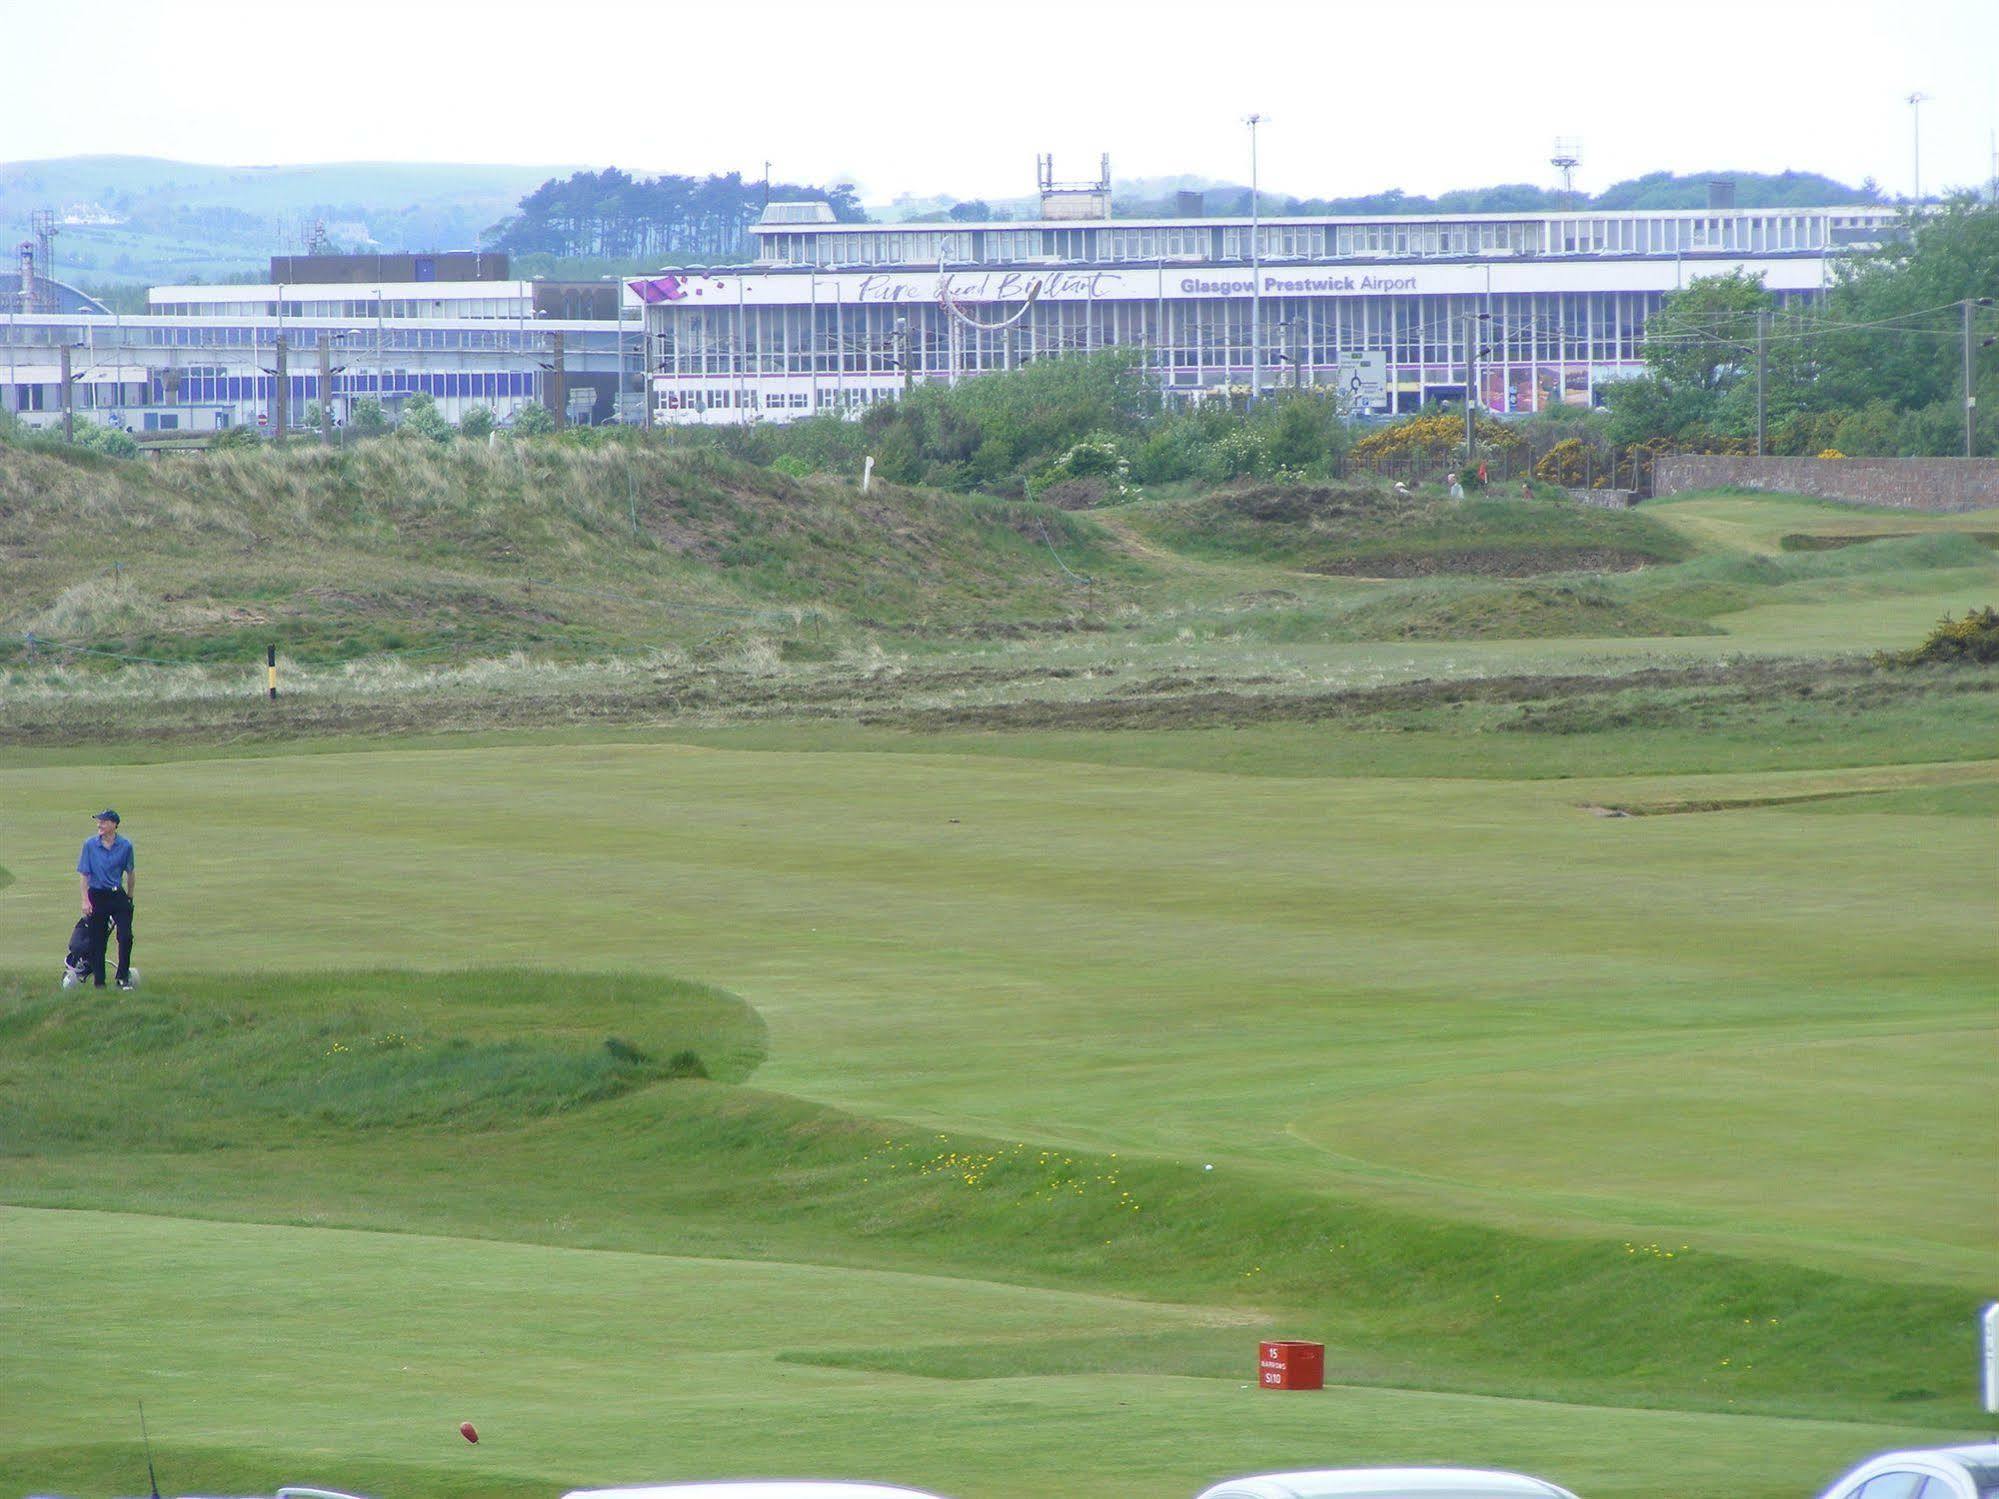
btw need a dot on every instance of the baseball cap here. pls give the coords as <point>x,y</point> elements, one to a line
<point>107,815</point>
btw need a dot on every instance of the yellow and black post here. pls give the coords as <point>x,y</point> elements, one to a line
<point>271,671</point>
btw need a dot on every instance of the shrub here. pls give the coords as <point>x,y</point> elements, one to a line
<point>421,418</point>
<point>233,437</point>
<point>791,465</point>
<point>476,423</point>
<point>532,419</point>
<point>368,419</point>
<point>1832,453</point>
<point>1432,432</point>
<point>113,442</point>
<point>1567,463</point>
<point>1973,638</point>
<point>1095,458</point>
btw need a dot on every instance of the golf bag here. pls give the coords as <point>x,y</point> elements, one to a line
<point>76,965</point>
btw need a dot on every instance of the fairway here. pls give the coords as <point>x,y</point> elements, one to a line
<point>942,1065</point>
<point>355,1356</point>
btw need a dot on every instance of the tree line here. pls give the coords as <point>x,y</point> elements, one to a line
<point>615,215</point>
<point>1876,369</point>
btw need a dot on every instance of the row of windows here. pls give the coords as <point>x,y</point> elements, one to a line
<point>487,385</point>
<point>1601,327</point>
<point>363,308</point>
<point>729,398</point>
<point>1286,239</point>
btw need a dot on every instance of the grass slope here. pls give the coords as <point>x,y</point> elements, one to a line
<point>593,1368</point>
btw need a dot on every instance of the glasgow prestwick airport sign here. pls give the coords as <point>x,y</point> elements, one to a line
<point>771,287</point>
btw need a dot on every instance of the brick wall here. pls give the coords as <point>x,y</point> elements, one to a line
<point>1910,483</point>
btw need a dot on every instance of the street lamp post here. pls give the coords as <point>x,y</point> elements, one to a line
<point>1255,269</point>
<point>1916,101</point>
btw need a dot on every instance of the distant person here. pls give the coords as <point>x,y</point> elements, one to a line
<point>1526,489</point>
<point>108,874</point>
<point>1457,489</point>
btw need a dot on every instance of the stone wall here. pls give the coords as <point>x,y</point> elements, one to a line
<point>1909,483</point>
<point>1604,499</point>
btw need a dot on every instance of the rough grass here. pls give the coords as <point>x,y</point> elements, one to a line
<point>397,546</point>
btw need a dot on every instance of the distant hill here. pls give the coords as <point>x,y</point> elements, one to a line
<point>144,219</point>
<point>136,220</point>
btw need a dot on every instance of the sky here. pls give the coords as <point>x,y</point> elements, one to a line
<point>960,97</point>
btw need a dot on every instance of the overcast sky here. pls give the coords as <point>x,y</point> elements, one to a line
<point>959,97</point>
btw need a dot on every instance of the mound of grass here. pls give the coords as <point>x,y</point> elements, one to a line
<point>1365,531</point>
<point>205,1060</point>
<point>394,545</point>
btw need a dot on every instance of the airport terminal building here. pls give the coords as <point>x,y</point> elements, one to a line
<point>834,317</point>
<point>324,331</point>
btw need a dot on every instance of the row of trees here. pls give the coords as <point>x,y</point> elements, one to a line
<point>1659,190</point>
<point>613,215</point>
<point>1876,369</point>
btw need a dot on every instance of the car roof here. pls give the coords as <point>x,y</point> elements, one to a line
<point>756,1488</point>
<point>1980,1461</point>
<point>1383,1483</point>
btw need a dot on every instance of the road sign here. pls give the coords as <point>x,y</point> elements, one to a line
<point>1362,381</point>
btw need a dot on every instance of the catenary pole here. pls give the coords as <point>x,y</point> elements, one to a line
<point>1970,392</point>
<point>1762,380</point>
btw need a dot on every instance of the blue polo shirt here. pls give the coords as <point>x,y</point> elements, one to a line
<point>105,867</point>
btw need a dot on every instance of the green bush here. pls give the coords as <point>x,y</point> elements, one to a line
<point>476,423</point>
<point>421,418</point>
<point>367,418</point>
<point>1973,638</point>
<point>534,420</point>
<point>113,442</point>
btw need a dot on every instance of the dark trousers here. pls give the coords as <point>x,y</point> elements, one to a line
<point>108,907</point>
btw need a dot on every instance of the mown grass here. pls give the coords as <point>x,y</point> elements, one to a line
<point>597,1368</point>
<point>696,1168</point>
<point>1658,1121</point>
<point>215,1060</point>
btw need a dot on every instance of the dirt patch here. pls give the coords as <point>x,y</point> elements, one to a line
<point>1805,541</point>
<point>1491,562</point>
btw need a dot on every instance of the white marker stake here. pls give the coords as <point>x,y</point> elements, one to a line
<point>1989,1325</point>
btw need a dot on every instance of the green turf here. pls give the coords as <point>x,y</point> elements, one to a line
<point>1640,1151</point>
<point>271,1354</point>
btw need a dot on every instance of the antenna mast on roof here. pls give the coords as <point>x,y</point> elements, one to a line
<point>1567,156</point>
<point>44,228</point>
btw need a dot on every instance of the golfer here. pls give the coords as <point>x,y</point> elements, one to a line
<point>109,877</point>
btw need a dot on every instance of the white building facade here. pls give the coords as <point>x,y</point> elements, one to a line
<point>1548,307</point>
